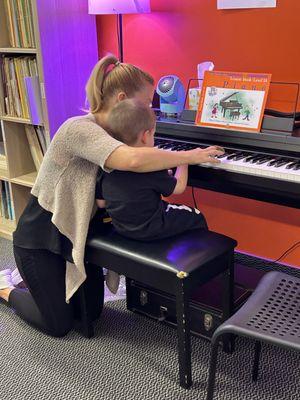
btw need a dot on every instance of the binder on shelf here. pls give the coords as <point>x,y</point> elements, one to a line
<point>34,99</point>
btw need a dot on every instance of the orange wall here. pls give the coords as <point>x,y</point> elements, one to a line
<point>178,35</point>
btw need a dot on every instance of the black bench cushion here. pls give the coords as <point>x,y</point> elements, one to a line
<point>185,252</point>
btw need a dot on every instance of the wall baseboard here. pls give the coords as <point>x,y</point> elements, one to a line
<point>263,264</point>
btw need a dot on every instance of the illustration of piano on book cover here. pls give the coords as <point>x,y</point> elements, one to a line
<point>233,100</point>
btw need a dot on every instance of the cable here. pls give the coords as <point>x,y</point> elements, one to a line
<point>287,252</point>
<point>194,198</point>
<point>118,35</point>
<point>294,246</point>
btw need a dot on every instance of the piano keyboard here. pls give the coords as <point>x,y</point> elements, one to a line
<point>245,162</point>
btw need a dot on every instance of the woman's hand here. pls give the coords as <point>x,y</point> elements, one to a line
<point>200,156</point>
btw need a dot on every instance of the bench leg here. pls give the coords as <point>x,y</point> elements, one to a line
<point>228,301</point>
<point>183,335</point>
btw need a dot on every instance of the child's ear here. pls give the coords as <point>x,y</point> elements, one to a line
<point>144,137</point>
<point>121,96</point>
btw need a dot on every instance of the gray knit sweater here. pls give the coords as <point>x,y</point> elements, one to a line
<point>66,182</point>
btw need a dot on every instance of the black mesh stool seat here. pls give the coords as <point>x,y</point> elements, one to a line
<point>176,266</point>
<point>271,315</point>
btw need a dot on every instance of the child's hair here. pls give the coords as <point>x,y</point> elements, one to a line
<point>128,118</point>
<point>110,76</point>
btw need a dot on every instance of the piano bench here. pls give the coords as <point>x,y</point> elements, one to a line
<point>174,265</point>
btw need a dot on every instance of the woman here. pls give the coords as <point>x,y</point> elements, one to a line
<point>54,225</point>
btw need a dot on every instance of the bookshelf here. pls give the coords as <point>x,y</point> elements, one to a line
<point>55,41</point>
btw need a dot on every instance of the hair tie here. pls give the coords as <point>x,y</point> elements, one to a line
<point>117,63</point>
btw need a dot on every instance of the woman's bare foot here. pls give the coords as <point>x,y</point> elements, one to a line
<point>6,285</point>
<point>4,293</point>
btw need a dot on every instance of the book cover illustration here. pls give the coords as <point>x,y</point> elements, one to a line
<point>233,100</point>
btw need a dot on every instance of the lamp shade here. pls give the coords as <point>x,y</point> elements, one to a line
<point>119,6</point>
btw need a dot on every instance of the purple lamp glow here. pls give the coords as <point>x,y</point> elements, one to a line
<point>119,6</point>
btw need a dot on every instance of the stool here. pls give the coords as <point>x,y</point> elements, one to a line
<point>174,265</point>
<point>271,315</point>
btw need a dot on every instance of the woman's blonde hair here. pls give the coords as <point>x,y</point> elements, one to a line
<point>108,77</point>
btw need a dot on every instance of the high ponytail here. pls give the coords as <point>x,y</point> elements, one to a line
<point>108,77</point>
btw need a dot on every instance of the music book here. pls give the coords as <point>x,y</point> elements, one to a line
<point>233,100</point>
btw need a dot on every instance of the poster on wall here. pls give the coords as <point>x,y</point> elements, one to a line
<point>230,4</point>
<point>233,100</point>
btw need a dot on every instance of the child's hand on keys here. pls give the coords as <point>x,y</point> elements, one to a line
<point>208,155</point>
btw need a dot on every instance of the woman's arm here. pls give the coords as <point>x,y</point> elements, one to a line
<point>89,141</point>
<point>147,159</point>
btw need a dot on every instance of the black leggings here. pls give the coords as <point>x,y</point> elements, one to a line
<point>43,305</point>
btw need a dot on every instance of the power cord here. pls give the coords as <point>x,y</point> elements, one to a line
<point>194,198</point>
<point>293,247</point>
<point>287,252</point>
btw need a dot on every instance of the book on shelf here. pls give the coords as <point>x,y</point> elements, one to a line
<point>34,99</point>
<point>6,206</point>
<point>34,146</point>
<point>233,100</point>
<point>20,23</point>
<point>9,201</point>
<point>14,70</point>
<point>41,137</point>
<point>3,164</point>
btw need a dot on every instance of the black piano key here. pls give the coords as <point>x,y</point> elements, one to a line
<point>259,157</point>
<point>239,156</point>
<point>250,157</point>
<point>274,161</point>
<point>226,154</point>
<point>297,166</point>
<point>263,160</point>
<point>281,162</point>
<point>233,155</point>
<point>292,164</point>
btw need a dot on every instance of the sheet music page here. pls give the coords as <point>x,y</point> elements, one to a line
<point>230,4</point>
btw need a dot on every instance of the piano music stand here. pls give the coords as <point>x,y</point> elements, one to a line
<point>274,121</point>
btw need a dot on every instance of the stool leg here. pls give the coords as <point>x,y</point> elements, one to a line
<point>212,370</point>
<point>256,361</point>
<point>183,335</point>
<point>228,301</point>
